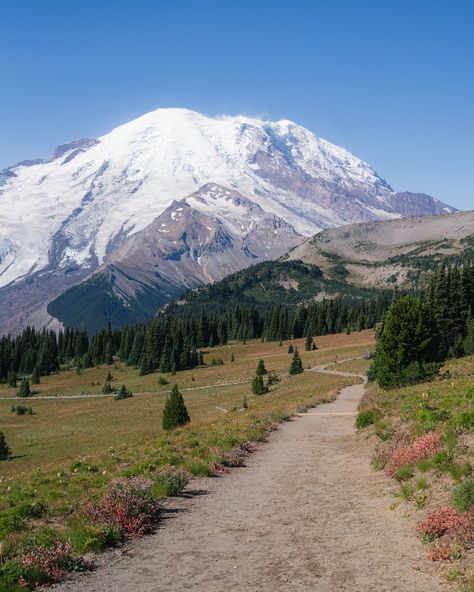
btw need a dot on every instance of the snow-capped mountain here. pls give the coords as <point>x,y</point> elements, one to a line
<point>247,190</point>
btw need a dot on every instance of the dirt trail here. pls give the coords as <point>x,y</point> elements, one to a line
<point>306,514</point>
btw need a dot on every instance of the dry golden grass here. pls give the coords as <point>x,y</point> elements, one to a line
<point>64,429</point>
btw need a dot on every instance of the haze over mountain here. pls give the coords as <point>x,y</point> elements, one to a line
<point>171,200</point>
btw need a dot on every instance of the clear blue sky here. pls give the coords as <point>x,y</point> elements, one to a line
<point>391,80</point>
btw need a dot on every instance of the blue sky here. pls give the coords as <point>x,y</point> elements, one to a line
<point>392,81</point>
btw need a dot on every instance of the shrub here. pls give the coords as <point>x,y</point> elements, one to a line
<point>162,381</point>
<point>217,362</point>
<point>175,412</point>
<point>22,410</point>
<point>25,390</point>
<point>170,481</point>
<point>5,451</point>
<point>123,393</point>
<point>446,520</point>
<point>463,495</point>
<point>90,538</point>
<point>366,418</point>
<point>404,473</point>
<point>43,565</point>
<point>424,446</point>
<point>127,507</point>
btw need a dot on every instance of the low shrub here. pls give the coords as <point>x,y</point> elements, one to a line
<point>170,481</point>
<point>217,362</point>
<point>404,473</point>
<point>446,520</point>
<point>89,538</point>
<point>463,495</point>
<point>162,381</point>
<point>366,418</point>
<point>423,447</point>
<point>42,565</point>
<point>127,507</point>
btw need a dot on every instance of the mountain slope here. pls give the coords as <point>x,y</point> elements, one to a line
<point>388,253</point>
<point>64,219</point>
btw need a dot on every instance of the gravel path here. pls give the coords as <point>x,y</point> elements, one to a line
<point>306,514</point>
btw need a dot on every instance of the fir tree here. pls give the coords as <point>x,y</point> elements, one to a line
<point>12,379</point>
<point>24,388</point>
<point>5,451</point>
<point>309,343</point>
<point>468,343</point>
<point>258,386</point>
<point>261,370</point>
<point>123,393</point>
<point>232,357</point>
<point>175,412</point>
<point>109,376</point>
<point>107,388</point>
<point>296,364</point>
<point>408,348</point>
<point>290,348</point>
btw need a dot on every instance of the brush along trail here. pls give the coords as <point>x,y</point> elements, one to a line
<point>306,514</point>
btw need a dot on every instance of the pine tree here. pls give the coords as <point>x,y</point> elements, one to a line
<point>290,348</point>
<point>109,376</point>
<point>123,393</point>
<point>296,364</point>
<point>258,386</point>
<point>24,388</point>
<point>107,388</point>
<point>12,379</point>
<point>232,357</point>
<point>408,349</point>
<point>261,370</point>
<point>468,343</point>
<point>309,343</point>
<point>175,412</point>
<point>5,451</point>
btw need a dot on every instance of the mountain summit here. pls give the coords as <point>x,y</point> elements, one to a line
<point>174,199</point>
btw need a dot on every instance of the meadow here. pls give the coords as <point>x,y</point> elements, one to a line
<point>70,452</point>
<point>425,444</point>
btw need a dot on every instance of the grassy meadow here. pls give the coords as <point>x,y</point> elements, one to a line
<point>67,452</point>
<point>429,486</point>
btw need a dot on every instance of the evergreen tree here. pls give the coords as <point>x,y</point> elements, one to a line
<point>5,451</point>
<point>123,393</point>
<point>24,388</point>
<point>107,388</point>
<point>408,348</point>
<point>12,379</point>
<point>35,377</point>
<point>309,343</point>
<point>175,412</point>
<point>468,343</point>
<point>109,376</point>
<point>261,370</point>
<point>232,357</point>
<point>290,348</point>
<point>258,386</point>
<point>296,364</point>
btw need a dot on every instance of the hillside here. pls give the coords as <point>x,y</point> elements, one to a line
<point>388,253</point>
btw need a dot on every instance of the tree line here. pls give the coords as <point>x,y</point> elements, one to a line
<point>420,331</point>
<point>173,341</point>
